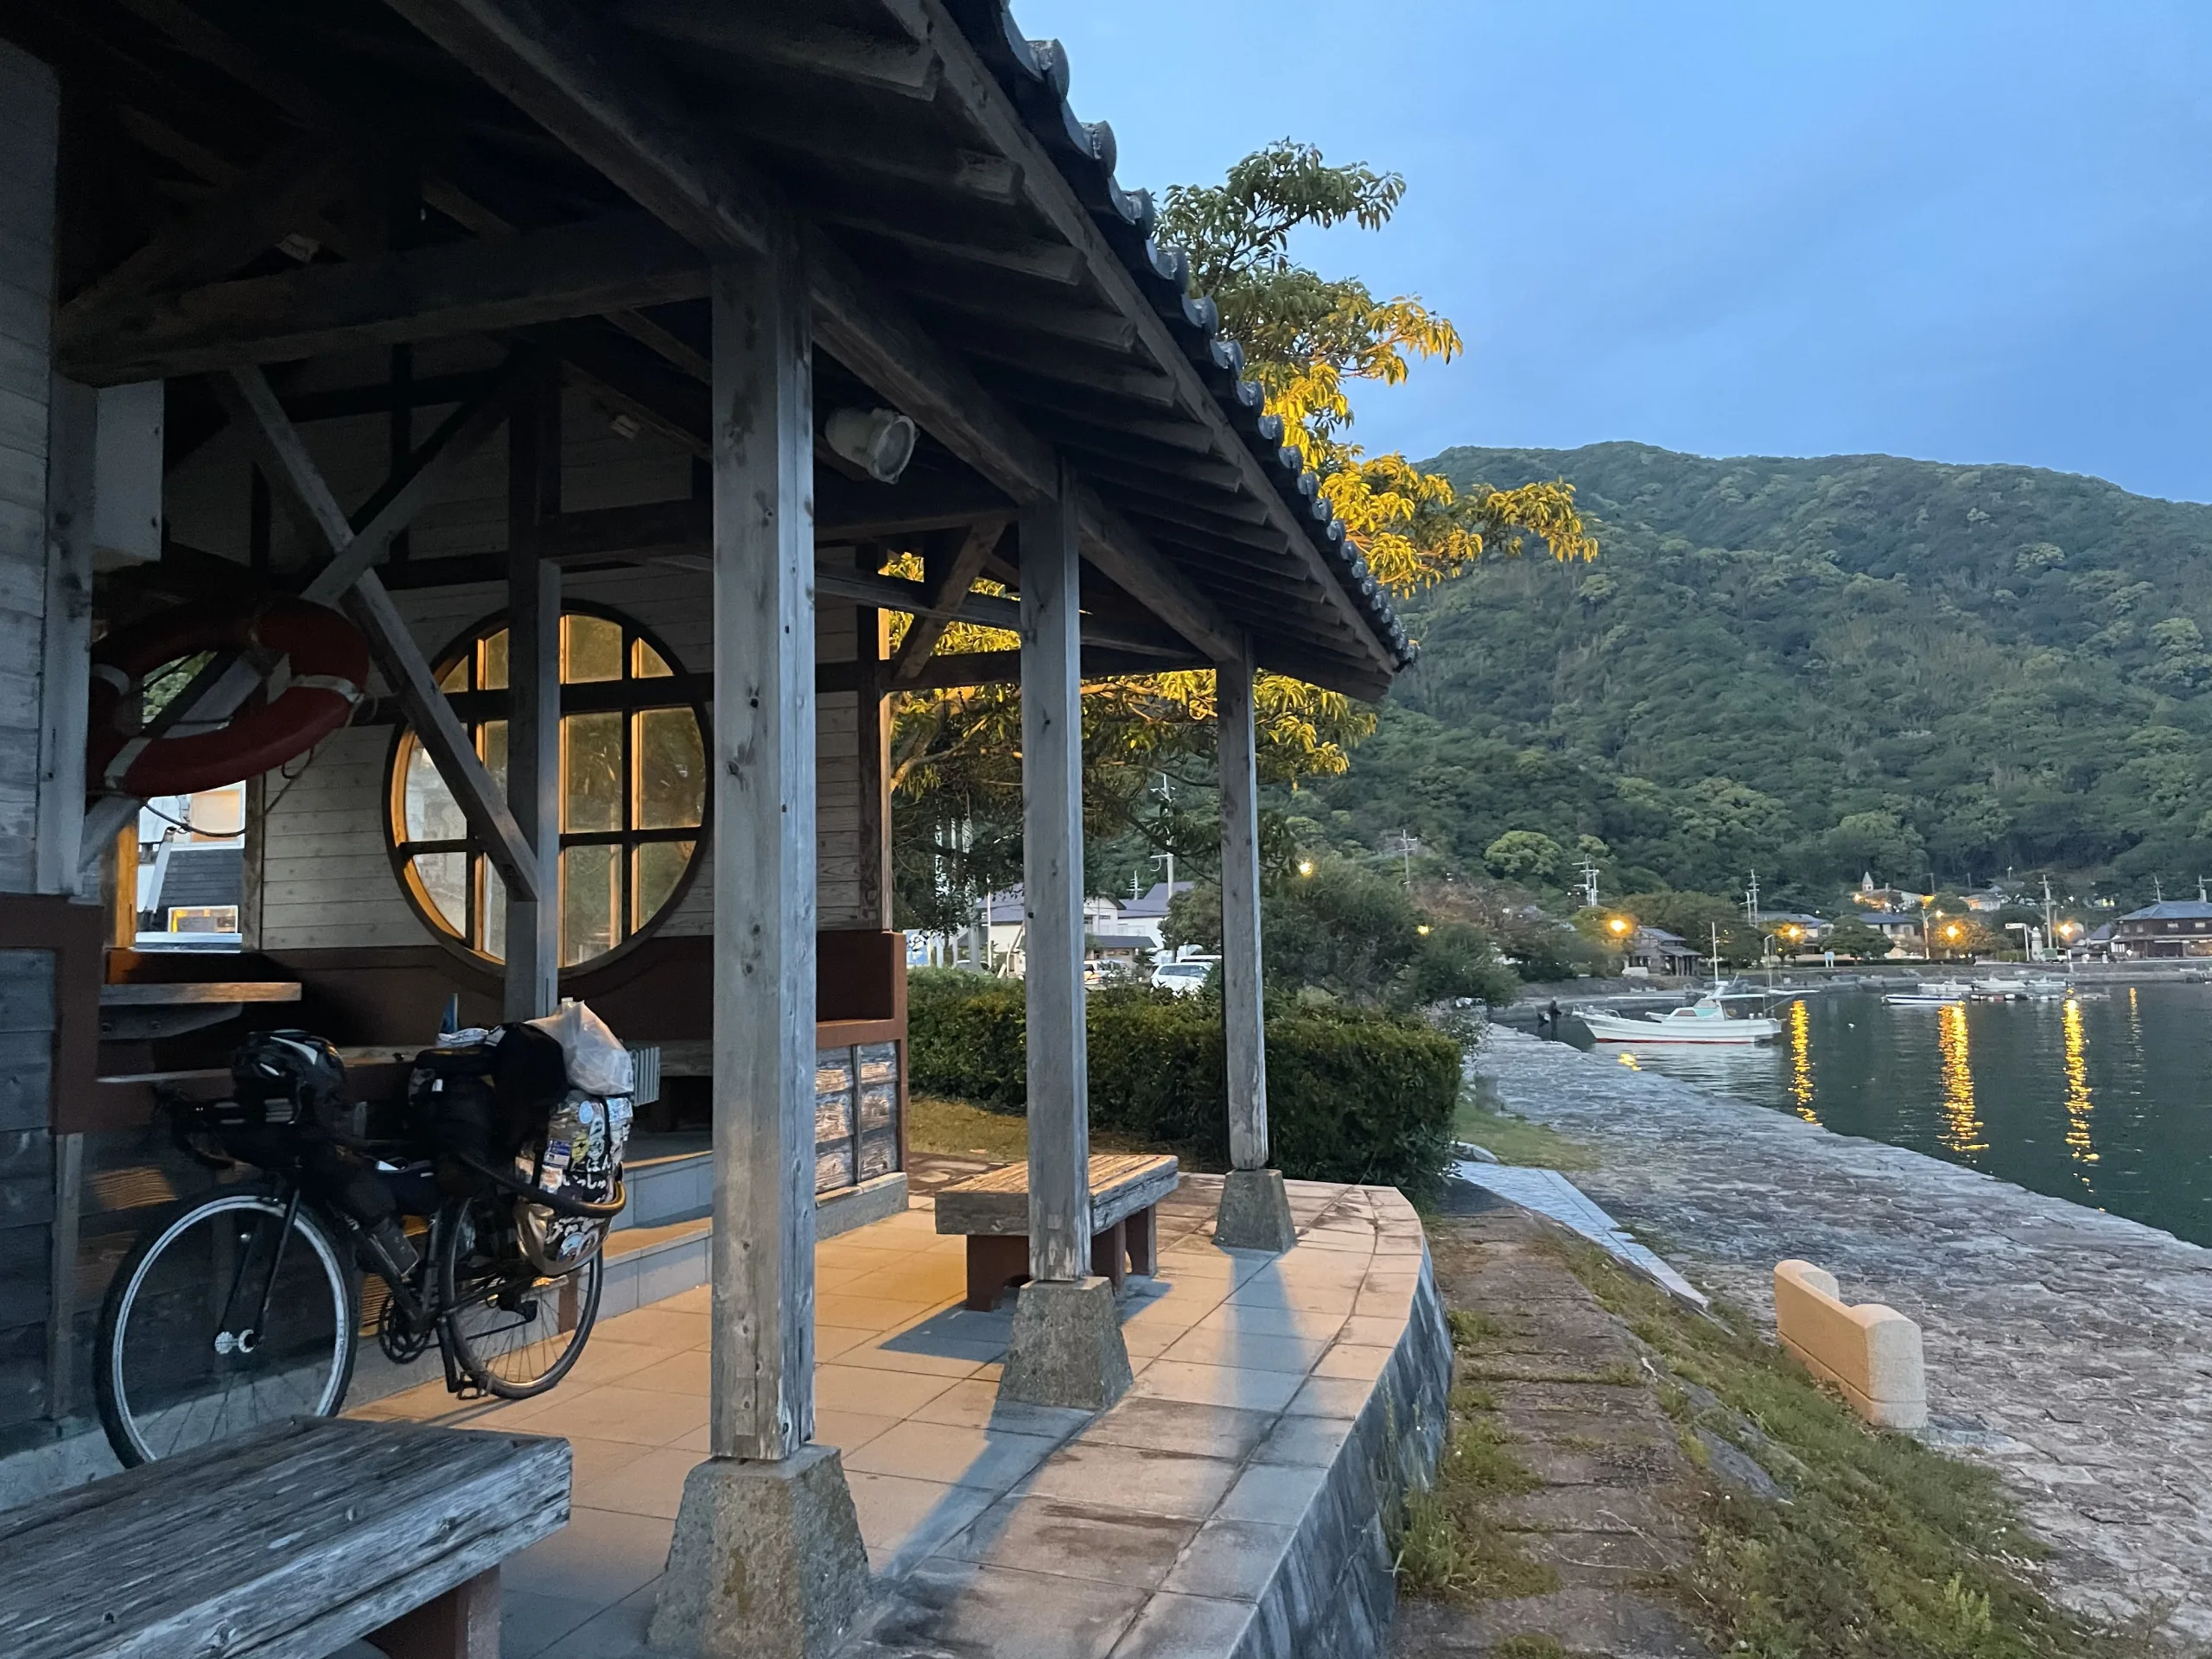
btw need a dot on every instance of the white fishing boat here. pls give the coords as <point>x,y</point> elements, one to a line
<point>2026,988</point>
<point>1705,1020</point>
<point>1938,994</point>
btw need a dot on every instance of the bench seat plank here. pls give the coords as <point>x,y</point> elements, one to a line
<point>287,1544</point>
<point>997,1202</point>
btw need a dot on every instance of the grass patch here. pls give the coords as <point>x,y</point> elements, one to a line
<point>1885,1549</point>
<point>944,1123</point>
<point>1514,1139</point>
<point>1449,1544</point>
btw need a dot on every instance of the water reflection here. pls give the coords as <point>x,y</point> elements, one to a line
<point>1801,1060</point>
<point>2078,1102</point>
<point>1961,1123</point>
<point>2104,1099</point>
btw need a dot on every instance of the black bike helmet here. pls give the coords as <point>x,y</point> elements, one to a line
<point>297,1067</point>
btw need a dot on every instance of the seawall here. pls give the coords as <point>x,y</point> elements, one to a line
<point>2070,1349</point>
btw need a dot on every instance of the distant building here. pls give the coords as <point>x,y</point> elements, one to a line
<point>1655,950</point>
<point>1903,930</point>
<point>2179,927</point>
<point>1811,929</point>
<point>1871,898</point>
<point>1988,899</point>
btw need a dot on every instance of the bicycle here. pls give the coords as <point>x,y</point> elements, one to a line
<point>217,1322</point>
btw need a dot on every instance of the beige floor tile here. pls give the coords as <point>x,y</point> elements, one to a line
<point>1353,1362</point>
<point>1216,1385</point>
<point>650,1484</point>
<point>1247,1320</point>
<point>900,1515</point>
<point>957,1457</point>
<point>614,1412</point>
<point>1135,1478</point>
<point>872,1355</point>
<point>1372,1330</point>
<point>682,1373</point>
<point>1312,1298</point>
<point>889,1393</point>
<point>1218,1346</point>
<point>974,1403</point>
<point>831,1340</point>
<point>658,1325</point>
<point>849,1430</point>
<point>874,1312</point>
<point>606,1361</point>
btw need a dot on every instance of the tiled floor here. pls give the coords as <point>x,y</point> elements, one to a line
<point>1008,1537</point>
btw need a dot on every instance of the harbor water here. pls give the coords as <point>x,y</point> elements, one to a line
<point>2104,1098</point>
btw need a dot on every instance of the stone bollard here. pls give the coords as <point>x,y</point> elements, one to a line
<point>1870,1352</point>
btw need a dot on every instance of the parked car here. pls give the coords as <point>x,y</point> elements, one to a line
<point>1107,970</point>
<point>1184,978</point>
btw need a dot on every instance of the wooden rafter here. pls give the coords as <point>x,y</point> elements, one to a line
<point>423,294</point>
<point>957,576</point>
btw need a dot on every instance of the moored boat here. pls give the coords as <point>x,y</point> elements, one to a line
<point>1705,1020</point>
<point>1939,994</point>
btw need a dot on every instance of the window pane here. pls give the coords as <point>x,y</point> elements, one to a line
<point>491,912</point>
<point>491,745</point>
<point>591,649</point>
<point>591,771</point>
<point>591,917</point>
<point>444,877</point>
<point>492,662</point>
<point>646,663</point>
<point>659,864</point>
<point>672,762</point>
<point>456,678</point>
<point>430,811</point>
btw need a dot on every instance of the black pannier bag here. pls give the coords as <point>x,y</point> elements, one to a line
<point>485,1101</point>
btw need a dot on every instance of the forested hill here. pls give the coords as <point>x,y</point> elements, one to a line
<point>1815,668</point>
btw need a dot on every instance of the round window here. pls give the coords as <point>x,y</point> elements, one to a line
<point>633,790</point>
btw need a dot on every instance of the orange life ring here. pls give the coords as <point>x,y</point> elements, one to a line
<point>330,665</point>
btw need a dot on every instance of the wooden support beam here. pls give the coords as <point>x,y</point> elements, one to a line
<point>872,757</point>
<point>533,972</point>
<point>1120,552</point>
<point>247,218</point>
<point>1243,1013</point>
<point>762,1360</point>
<point>1052,885</point>
<point>216,693</point>
<point>949,585</point>
<point>423,294</point>
<point>606,102</point>
<point>907,68</point>
<point>297,481</point>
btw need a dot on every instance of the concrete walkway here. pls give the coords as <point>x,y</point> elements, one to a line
<point>1234,1488</point>
<point>2065,1347</point>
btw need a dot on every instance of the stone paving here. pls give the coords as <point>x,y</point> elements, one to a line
<point>1230,1498</point>
<point>1620,1503</point>
<point>2066,1347</point>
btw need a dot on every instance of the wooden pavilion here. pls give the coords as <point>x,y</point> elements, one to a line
<point>523,329</point>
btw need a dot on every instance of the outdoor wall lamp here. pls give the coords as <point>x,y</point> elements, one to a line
<point>879,442</point>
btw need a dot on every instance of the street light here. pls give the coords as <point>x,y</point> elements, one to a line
<point>1619,926</point>
<point>1305,867</point>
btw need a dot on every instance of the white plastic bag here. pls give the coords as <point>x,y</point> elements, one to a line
<point>597,1062</point>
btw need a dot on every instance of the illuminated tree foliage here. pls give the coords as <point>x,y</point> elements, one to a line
<point>955,760</point>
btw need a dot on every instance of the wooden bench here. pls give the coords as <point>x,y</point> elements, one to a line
<point>993,1210</point>
<point>286,1544</point>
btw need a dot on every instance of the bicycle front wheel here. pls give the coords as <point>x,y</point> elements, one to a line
<point>223,1321</point>
<point>515,1331</point>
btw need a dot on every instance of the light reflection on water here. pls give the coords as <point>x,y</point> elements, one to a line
<point>2106,1100</point>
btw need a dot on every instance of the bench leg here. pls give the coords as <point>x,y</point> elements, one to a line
<point>994,1260</point>
<point>462,1624</point>
<point>1144,1243</point>
<point>1109,1254</point>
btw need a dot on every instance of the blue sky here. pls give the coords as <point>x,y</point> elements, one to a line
<point>1961,231</point>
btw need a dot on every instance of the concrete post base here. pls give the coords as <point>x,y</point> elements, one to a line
<point>1066,1348</point>
<point>767,1563</point>
<point>1255,1213</point>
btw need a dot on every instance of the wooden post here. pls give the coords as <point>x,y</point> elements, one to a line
<point>1255,1213</point>
<point>764,853</point>
<point>533,969</point>
<point>1242,1013</point>
<point>872,746</point>
<point>1051,881</point>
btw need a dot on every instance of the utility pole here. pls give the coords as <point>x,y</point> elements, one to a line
<point>2050,922</point>
<point>1590,882</point>
<point>1752,902</point>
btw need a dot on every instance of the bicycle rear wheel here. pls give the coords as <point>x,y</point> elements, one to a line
<point>187,1354</point>
<point>515,1331</point>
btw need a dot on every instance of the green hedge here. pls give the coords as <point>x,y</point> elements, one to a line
<point>1353,1095</point>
